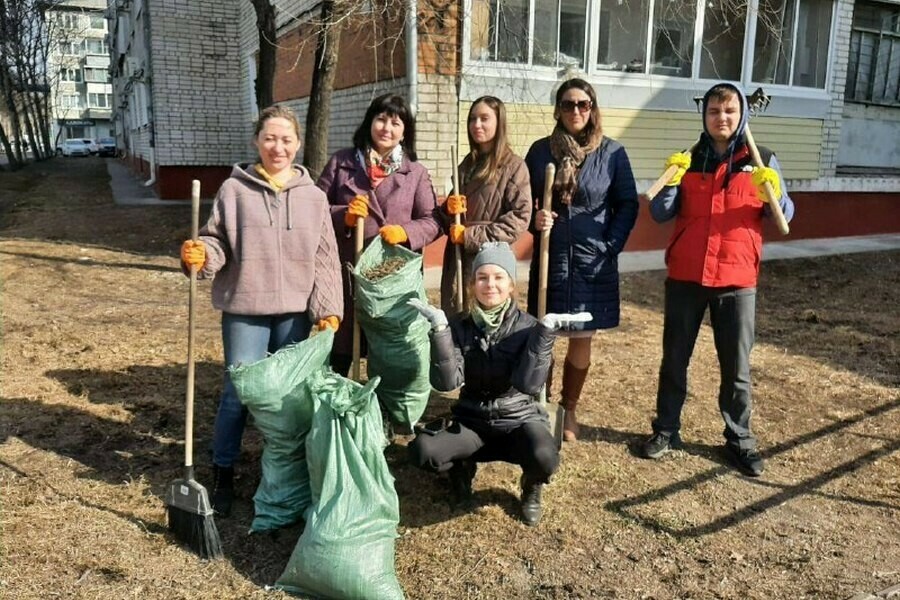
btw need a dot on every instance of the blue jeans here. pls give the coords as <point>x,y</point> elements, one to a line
<point>247,339</point>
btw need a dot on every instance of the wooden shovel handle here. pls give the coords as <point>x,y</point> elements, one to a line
<point>359,241</point>
<point>667,175</point>
<point>543,273</point>
<point>460,298</point>
<point>774,204</point>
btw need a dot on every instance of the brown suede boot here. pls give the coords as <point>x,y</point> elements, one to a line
<point>572,384</point>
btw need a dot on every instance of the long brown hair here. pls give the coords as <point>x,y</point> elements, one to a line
<point>593,131</point>
<point>486,167</point>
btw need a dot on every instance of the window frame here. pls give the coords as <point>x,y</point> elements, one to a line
<point>505,69</point>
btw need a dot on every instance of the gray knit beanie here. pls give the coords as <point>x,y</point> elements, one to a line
<point>496,253</point>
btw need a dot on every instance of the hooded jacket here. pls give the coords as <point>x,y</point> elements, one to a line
<point>272,252</point>
<point>717,241</point>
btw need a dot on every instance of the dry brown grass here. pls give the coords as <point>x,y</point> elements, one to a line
<point>93,349</point>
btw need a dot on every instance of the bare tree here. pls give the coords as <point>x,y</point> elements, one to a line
<point>318,114</point>
<point>265,71</point>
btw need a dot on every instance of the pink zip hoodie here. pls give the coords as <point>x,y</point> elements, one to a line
<point>272,252</point>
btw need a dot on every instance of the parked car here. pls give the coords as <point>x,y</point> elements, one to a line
<point>75,148</point>
<point>92,145</point>
<point>106,146</point>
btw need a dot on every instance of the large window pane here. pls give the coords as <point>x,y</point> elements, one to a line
<point>673,37</point>
<point>509,30</point>
<point>723,40</point>
<point>546,26</point>
<point>572,24</point>
<point>813,33</point>
<point>623,35</point>
<point>773,43</point>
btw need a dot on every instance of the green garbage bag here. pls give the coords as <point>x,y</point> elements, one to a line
<point>276,393</point>
<point>399,349</point>
<point>347,548</point>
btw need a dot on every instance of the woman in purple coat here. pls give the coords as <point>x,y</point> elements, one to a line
<point>378,180</point>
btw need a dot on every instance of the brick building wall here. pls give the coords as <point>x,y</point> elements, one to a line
<point>843,19</point>
<point>197,86</point>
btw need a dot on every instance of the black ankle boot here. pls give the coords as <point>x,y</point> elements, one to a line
<point>531,501</point>
<point>461,475</point>
<point>223,490</point>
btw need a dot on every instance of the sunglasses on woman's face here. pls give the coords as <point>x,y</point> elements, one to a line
<point>571,105</point>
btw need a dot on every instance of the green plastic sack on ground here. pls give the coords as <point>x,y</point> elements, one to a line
<point>347,548</point>
<point>399,349</point>
<point>276,392</point>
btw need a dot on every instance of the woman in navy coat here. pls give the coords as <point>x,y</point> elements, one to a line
<point>595,207</point>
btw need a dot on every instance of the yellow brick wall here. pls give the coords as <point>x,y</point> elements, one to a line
<point>650,136</point>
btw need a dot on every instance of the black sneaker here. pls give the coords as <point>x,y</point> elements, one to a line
<point>660,443</point>
<point>748,461</point>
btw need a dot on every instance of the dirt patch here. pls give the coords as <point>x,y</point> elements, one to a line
<point>94,324</point>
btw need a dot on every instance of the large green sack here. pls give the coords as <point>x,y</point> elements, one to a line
<point>346,550</point>
<point>399,349</point>
<point>275,391</point>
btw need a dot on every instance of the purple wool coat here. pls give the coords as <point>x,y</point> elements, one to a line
<point>404,198</point>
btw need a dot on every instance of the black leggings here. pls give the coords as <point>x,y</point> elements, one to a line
<point>529,445</point>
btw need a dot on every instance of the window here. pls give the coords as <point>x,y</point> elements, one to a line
<point>99,100</point>
<point>97,75</point>
<point>97,47</point>
<point>67,20</point>
<point>73,75</point>
<point>503,31</point>
<point>722,51</point>
<point>873,73</point>
<point>70,48</point>
<point>791,45</point>
<point>98,22</point>
<point>70,101</point>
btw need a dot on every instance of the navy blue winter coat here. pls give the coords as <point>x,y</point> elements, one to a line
<point>587,236</point>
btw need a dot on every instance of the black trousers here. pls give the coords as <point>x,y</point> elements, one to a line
<point>529,445</point>
<point>732,313</point>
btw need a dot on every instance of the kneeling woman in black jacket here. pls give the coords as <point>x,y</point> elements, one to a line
<point>500,356</point>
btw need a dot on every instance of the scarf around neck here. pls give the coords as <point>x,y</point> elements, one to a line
<point>489,320</point>
<point>379,168</point>
<point>261,170</point>
<point>570,154</point>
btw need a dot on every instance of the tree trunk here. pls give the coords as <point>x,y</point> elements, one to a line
<point>318,115</point>
<point>265,71</point>
<point>4,141</point>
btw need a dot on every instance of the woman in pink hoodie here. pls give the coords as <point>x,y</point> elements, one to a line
<point>270,246</point>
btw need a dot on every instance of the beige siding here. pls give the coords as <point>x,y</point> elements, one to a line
<point>650,136</point>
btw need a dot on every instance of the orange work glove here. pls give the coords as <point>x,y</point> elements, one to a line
<point>193,254</point>
<point>357,209</point>
<point>331,321</point>
<point>456,204</point>
<point>457,234</point>
<point>393,234</point>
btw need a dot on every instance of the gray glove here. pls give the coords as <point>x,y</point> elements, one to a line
<point>435,316</point>
<point>555,322</point>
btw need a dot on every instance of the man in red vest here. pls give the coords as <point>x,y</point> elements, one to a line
<point>718,201</point>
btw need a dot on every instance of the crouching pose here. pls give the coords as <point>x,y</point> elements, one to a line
<point>500,357</point>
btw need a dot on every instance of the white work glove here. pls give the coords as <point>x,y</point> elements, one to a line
<point>435,316</point>
<point>555,322</point>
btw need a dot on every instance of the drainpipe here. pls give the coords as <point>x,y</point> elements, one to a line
<point>148,76</point>
<point>412,55</point>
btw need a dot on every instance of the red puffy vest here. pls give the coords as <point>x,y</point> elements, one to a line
<point>717,240</point>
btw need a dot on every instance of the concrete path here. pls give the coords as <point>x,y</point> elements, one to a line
<point>128,190</point>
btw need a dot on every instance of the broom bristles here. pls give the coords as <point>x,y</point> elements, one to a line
<point>198,532</point>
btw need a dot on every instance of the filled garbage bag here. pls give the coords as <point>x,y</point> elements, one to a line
<point>276,392</point>
<point>346,550</point>
<point>399,349</point>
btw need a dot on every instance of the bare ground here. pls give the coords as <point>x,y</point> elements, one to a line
<point>93,353</point>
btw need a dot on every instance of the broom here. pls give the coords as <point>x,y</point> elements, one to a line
<point>189,510</point>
